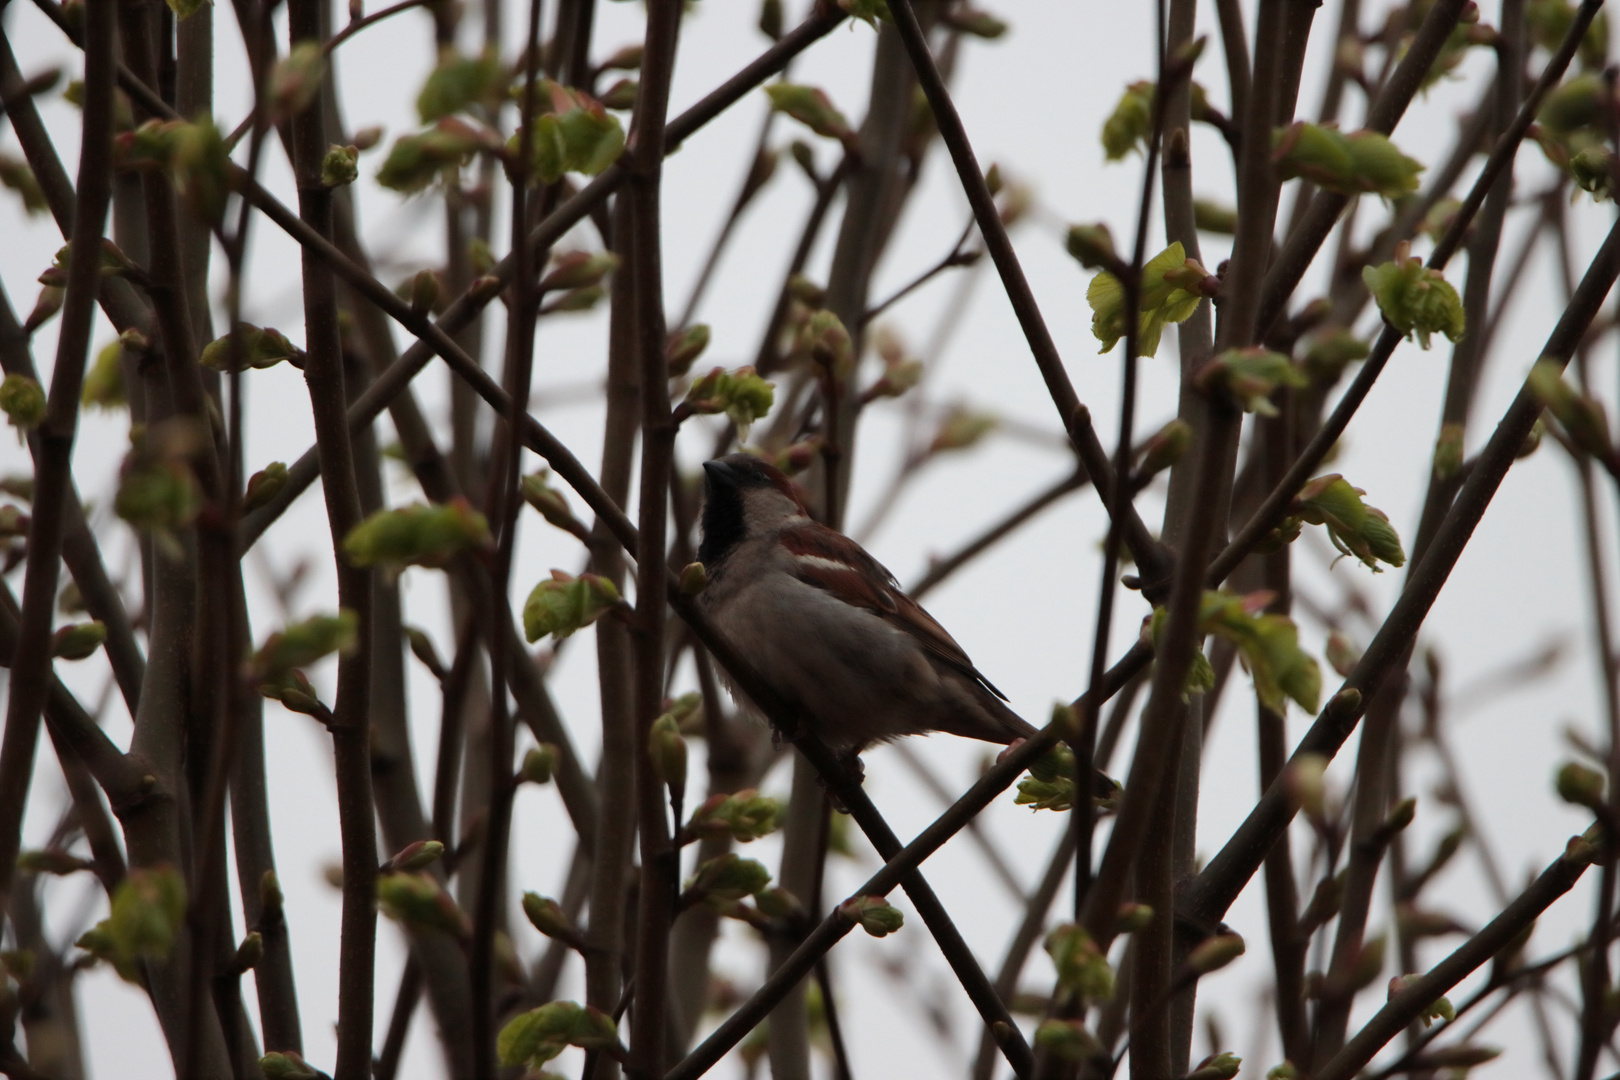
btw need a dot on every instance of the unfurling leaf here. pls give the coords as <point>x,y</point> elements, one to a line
<point>23,401</point>
<point>1172,288</point>
<point>1354,527</point>
<point>533,1038</point>
<point>415,161</point>
<point>562,604</point>
<point>1082,968</point>
<point>418,901</point>
<point>1415,300</point>
<point>1361,162</point>
<point>1250,377</point>
<point>744,816</point>
<point>742,395</point>
<point>874,914</point>
<point>1131,123</point>
<point>260,347</point>
<point>303,643</point>
<point>810,107</point>
<point>416,535</point>
<point>340,166</point>
<point>684,347</point>
<point>458,82</point>
<point>729,877</point>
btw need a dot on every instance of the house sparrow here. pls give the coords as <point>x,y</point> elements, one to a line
<point>828,627</point>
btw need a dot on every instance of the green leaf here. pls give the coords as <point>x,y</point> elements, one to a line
<point>1361,162</point>
<point>730,877</point>
<point>302,643</point>
<point>23,401</point>
<point>416,161</point>
<point>148,910</point>
<point>562,604</point>
<point>1082,968</point>
<point>1168,295</point>
<point>1131,123</point>
<point>1415,300</point>
<point>1354,527</point>
<point>1250,377</point>
<point>458,82</point>
<point>421,534</point>
<point>810,107</point>
<point>260,348</point>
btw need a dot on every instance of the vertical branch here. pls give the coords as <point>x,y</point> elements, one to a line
<point>658,868</point>
<point>351,729</point>
<point>505,501</point>
<point>31,664</point>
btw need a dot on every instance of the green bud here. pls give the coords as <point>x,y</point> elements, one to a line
<point>249,953</point>
<point>539,764</point>
<point>1092,246</point>
<point>1328,355</point>
<point>23,402</point>
<point>535,1037</point>
<point>770,19</point>
<point>76,641</point>
<point>424,292</point>
<point>1250,377</point>
<point>961,429</point>
<point>1285,1071</point>
<point>742,395</point>
<point>694,579</point>
<point>416,535</point>
<point>341,166</point>
<point>744,816</point>
<point>667,750</point>
<point>259,348</point>
<point>1582,417</point>
<point>286,1065</point>
<point>104,382</point>
<point>1580,785</point>
<point>1215,953</point>
<point>1131,123</point>
<point>263,486</point>
<point>417,900</point>
<point>1068,1040</point>
<point>417,855</point>
<point>1341,655</point>
<point>810,107</point>
<point>303,643</point>
<point>148,911</point>
<point>1133,917</point>
<point>1305,780</point>
<point>777,903</point>
<point>1415,300</point>
<point>683,348</point>
<point>1213,217</point>
<point>1168,446</point>
<point>1577,103</point>
<point>1593,170</point>
<point>1082,968</point>
<point>292,688</point>
<point>562,604</point>
<point>546,916</point>
<point>1222,1066</point>
<point>729,877</point>
<point>548,502</point>
<point>296,79</point>
<point>1448,451</point>
<point>873,914</point>
<point>578,269</point>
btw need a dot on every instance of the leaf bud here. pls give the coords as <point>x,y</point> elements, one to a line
<point>667,750</point>
<point>694,579</point>
<point>873,914</point>
<point>1068,1040</point>
<point>539,764</point>
<point>1167,446</point>
<point>417,855</point>
<point>1222,1066</point>
<point>76,641</point>
<point>683,348</point>
<point>249,953</point>
<point>286,1065</point>
<point>340,166</point>
<point>547,916</point>
<point>23,401</point>
<point>263,486</point>
<point>1580,785</point>
<point>1215,953</point>
<point>563,604</point>
<point>1133,917</point>
<point>729,877</point>
<point>1092,246</point>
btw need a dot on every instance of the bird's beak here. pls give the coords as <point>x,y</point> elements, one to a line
<point>721,476</point>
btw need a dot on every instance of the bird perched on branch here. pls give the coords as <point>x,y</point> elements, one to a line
<point>827,627</point>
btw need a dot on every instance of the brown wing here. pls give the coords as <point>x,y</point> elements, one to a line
<point>832,561</point>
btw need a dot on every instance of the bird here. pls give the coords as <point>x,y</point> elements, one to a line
<point>827,627</point>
